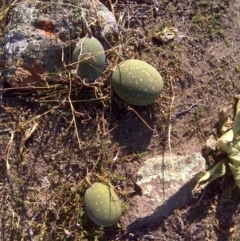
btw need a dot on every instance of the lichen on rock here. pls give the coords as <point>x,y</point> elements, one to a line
<point>166,183</point>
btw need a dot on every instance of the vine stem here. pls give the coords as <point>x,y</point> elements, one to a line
<point>130,108</point>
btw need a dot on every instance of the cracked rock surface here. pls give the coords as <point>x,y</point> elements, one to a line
<point>166,183</point>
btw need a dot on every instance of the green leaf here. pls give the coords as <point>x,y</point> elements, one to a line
<point>230,144</point>
<point>215,172</point>
<point>236,173</point>
<point>236,125</point>
<point>225,141</point>
<point>234,156</point>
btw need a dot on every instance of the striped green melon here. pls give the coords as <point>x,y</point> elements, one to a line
<point>137,82</point>
<point>91,63</point>
<point>102,205</point>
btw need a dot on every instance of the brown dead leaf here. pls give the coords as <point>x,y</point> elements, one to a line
<point>225,121</point>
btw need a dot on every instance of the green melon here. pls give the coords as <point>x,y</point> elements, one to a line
<point>92,59</point>
<point>137,82</point>
<point>102,205</point>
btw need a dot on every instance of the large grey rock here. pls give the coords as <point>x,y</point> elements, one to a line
<point>39,34</point>
<point>166,183</point>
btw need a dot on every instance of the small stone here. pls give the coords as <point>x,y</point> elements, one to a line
<point>166,183</point>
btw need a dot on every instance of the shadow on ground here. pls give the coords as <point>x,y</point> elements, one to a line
<point>189,221</point>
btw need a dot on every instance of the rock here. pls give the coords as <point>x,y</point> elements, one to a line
<point>164,186</point>
<point>39,34</point>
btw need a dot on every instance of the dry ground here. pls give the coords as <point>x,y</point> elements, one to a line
<point>50,141</point>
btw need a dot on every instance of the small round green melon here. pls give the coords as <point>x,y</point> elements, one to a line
<point>102,205</point>
<point>137,82</point>
<point>91,63</point>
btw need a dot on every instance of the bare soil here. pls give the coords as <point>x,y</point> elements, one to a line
<point>49,143</point>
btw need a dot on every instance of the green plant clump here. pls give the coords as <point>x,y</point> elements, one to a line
<point>89,57</point>
<point>137,82</point>
<point>102,205</point>
<point>237,68</point>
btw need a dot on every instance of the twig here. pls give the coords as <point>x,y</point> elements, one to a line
<point>73,112</point>
<point>73,101</point>
<point>170,124</point>
<point>29,88</point>
<point>31,234</point>
<point>200,199</point>
<point>19,127</point>
<point>130,108</point>
<point>185,111</point>
<point>8,149</point>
